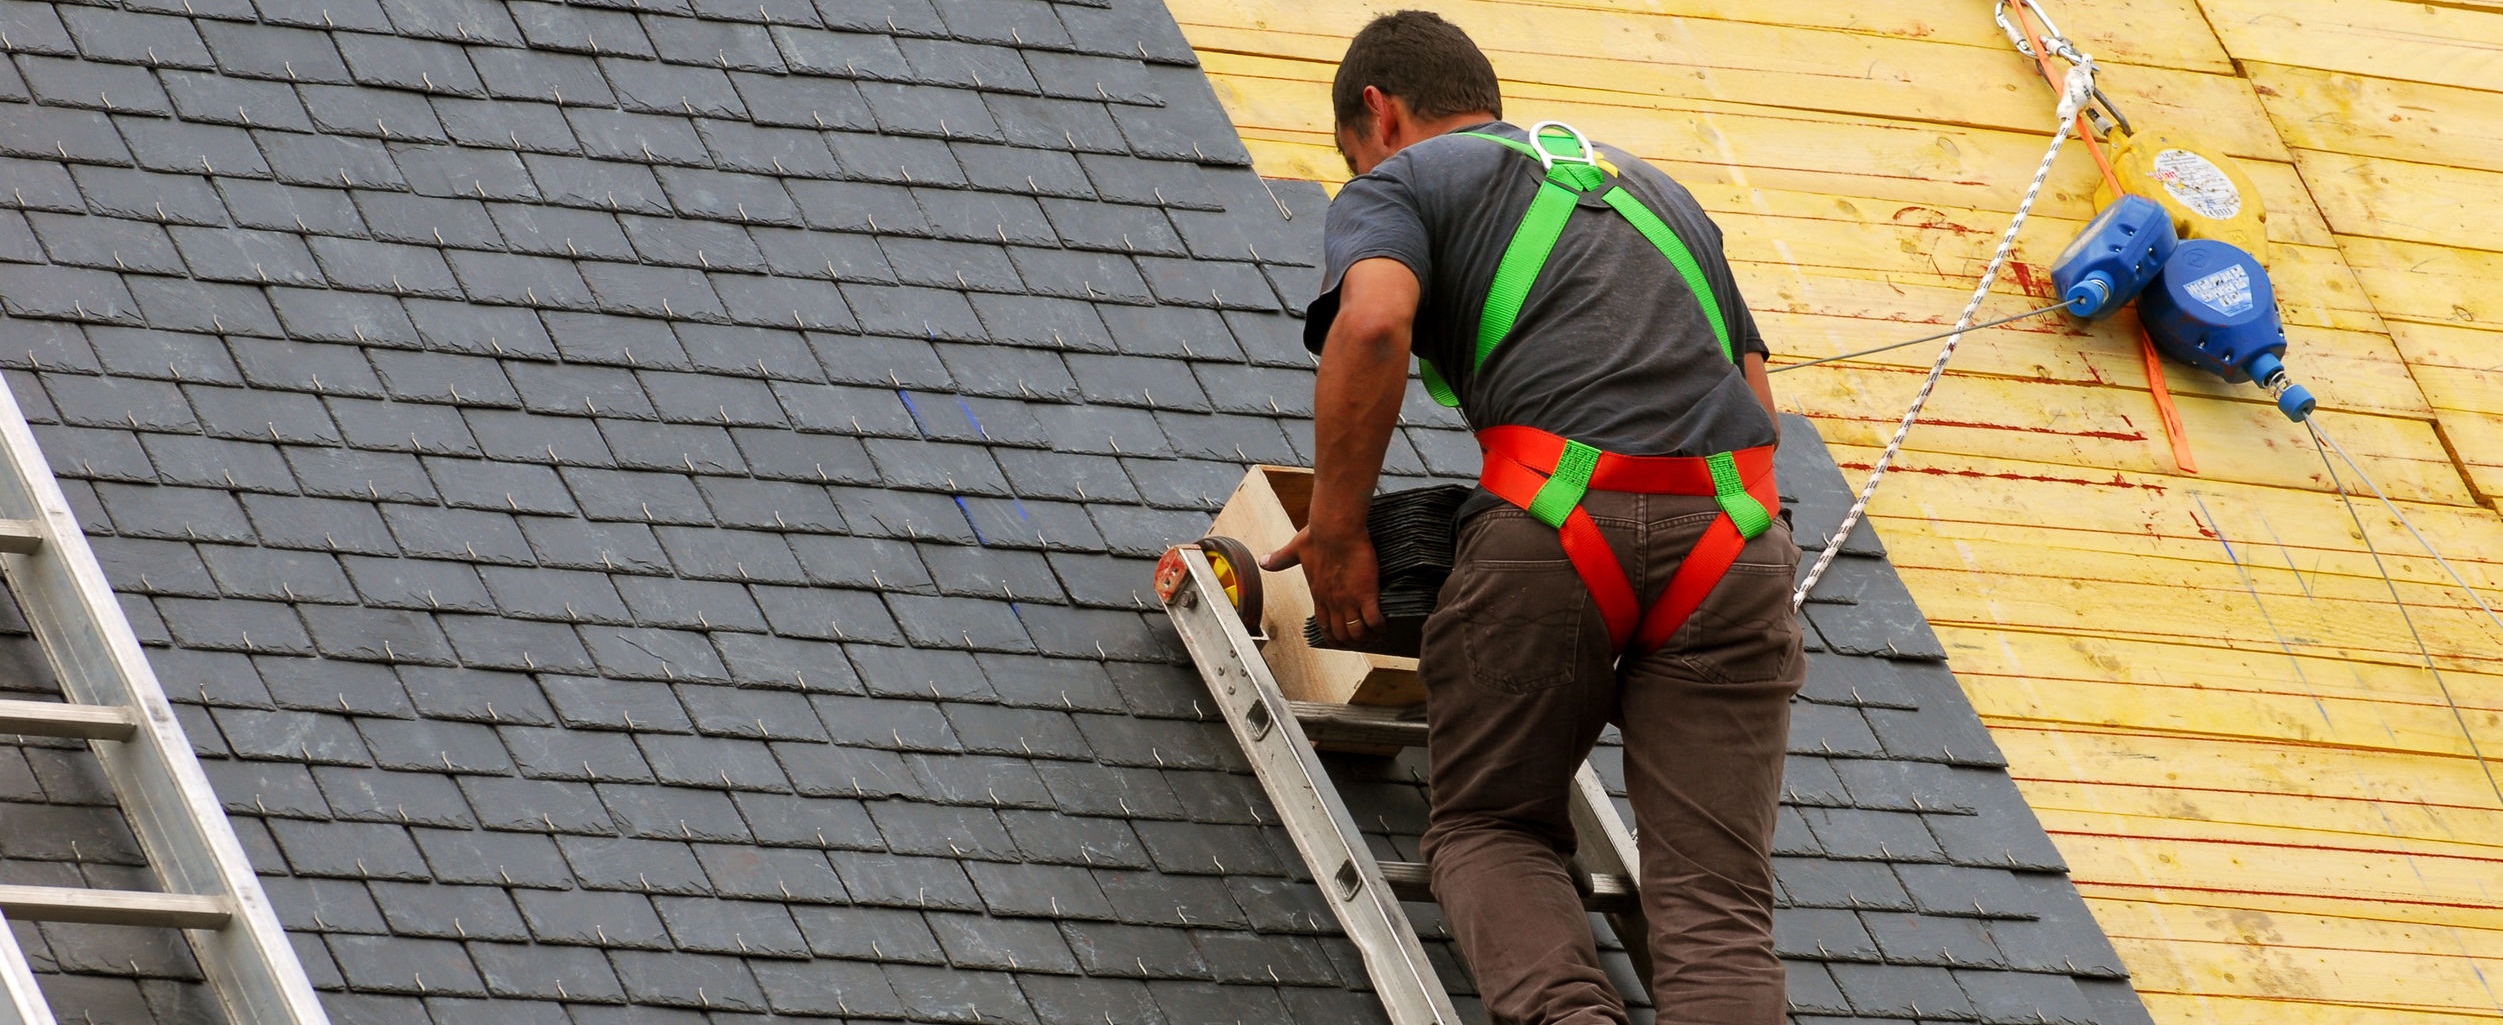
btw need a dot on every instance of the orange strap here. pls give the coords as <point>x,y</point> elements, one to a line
<point>1518,461</point>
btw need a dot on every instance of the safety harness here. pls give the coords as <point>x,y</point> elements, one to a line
<point>1546,474</point>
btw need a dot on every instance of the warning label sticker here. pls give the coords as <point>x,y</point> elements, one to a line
<point>2198,183</point>
<point>2227,291</point>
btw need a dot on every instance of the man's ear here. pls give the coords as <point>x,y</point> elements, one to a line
<point>1382,111</point>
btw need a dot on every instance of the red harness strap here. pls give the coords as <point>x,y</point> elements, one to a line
<point>1519,461</point>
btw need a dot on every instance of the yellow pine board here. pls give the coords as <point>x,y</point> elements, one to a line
<point>2171,829</point>
<point>2197,924</point>
<point>2098,430</point>
<point>2073,497</point>
<point>2220,1010</point>
<point>2225,766</point>
<point>2382,117</point>
<point>2292,217</point>
<point>1948,496</point>
<point>2299,574</point>
<point>1787,66</point>
<point>2416,42</point>
<point>1313,160</point>
<point>2479,441</point>
<point>2435,284</point>
<point>2472,924</point>
<point>2288,716</point>
<point>2290,836</point>
<point>2457,347</point>
<point>2036,671</point>
<point>2397,199</point>
<point>2462,376</point>
<point>2224,812</point>
<point>2162,33</point>
<point>2353,366</point>
<point>2211,865</point>
<point>2195,615</point>
<point>2371,982</point>
<point>1706,141</point>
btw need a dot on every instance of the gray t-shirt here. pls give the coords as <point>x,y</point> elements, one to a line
<point>1611,349</point>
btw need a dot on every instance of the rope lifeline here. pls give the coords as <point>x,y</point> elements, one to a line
<point>2081,80</point>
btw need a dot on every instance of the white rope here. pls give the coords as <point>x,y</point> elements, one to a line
<point>2080,86</point>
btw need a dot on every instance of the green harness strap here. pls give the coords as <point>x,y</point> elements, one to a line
<point>1568,178</point>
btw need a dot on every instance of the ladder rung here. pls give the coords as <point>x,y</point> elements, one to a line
<point>114,907</point>
<point>55,719</point>
<point>20,537</point>
<point>1333,725</point>
<point>1410,880</point>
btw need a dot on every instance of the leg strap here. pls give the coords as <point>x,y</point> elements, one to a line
<point>1744,514</point>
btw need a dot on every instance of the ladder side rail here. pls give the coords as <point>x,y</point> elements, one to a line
<point>179,821</point>
<point>1306,799</point>
<point>1607,848</point>
<point>21,1000</point>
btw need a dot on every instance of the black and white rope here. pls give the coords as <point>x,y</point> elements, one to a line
<point>2080,86</point>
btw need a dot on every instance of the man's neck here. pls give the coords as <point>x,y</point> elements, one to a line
<point>1418,131</point>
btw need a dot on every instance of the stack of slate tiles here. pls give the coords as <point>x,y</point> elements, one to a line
<point>643,507</point>
<point>1413,541</point>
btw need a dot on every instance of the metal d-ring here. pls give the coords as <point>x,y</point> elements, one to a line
<point>1547,160</point>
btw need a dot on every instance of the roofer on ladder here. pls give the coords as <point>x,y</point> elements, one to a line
<point>1636,573</point>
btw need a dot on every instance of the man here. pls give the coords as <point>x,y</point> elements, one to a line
<point>1592,584</point>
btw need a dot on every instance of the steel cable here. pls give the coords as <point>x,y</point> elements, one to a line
<point>2318,438</point>
<point>2001,322</point>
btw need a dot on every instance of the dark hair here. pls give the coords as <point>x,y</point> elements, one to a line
<point>1420,58</point>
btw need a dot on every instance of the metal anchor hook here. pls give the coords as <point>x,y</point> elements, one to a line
<point>2052,36</point>
<point>2101,110</point>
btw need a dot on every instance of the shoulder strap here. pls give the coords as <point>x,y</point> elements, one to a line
<point>1569,175</point>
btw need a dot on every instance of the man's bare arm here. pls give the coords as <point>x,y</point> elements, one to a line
<point>1752,364</point>
<point>1356,398</point>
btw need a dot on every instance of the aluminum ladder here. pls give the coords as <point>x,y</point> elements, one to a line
<point>1278,737</point>
<point>113,701</point>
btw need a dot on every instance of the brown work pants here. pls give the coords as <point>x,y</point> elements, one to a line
<point>1520,678</point>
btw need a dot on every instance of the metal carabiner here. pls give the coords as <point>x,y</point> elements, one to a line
<point>2051,33</point>
<point>1547,160</point>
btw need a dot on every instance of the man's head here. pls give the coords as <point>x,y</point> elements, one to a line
<point>1409,76</point>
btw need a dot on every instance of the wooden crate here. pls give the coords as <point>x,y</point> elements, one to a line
<point>1265,512</point>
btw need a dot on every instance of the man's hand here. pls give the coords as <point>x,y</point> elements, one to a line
<point>1346,582</point>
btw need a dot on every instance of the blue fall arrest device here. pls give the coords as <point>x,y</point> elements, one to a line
<point>2113,259</point>
<point>2211,306</point>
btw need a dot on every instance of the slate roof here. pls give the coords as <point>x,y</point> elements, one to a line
<point>555,453</point>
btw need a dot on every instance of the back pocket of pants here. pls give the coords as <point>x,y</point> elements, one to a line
<point>1522,624</point>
